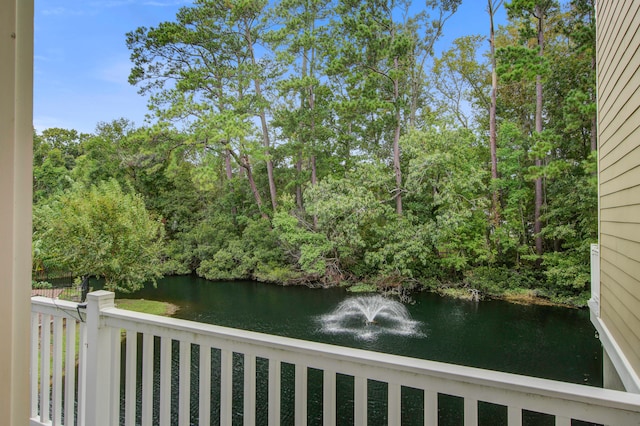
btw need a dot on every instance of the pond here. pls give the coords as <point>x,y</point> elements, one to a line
<point>543,341</point>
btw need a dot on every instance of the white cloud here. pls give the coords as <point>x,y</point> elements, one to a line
<point>165,3</point>
<point>43,122</point>
<point>62,11</point>
<point>154,3</point>
<point>116,71</point>
<point>110,3</point>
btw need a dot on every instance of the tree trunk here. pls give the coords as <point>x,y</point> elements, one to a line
<point>300,136</point>
<point>252,184</point>
<point>312,107</point>
<point>537,225</point>
<point>396,146</point>
<point>314,171</point>
<point>263,122</point>
<point>298,185</point>
<point>229,172</point>
<point>492,116</point>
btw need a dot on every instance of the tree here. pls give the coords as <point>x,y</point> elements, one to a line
<point>202,70</point>
<point>447,178</point>
<point>492,7</point>
<point>536,11</point>
<point>55,151</point>
<point>102,153</point>
<point>101,231</point>
<point>458,82</point>
<point>375,57</point>
<point>299,39</point>
<point>579,103</point>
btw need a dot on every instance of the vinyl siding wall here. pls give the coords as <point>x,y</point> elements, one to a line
<point>618,42</point>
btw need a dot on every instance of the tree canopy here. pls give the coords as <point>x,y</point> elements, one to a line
<point>322,143</point>
<point>100,231</point>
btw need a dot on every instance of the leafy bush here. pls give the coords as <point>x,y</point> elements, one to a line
<point>41,284</point>
<point>497,279</point>
<point>101,231</point>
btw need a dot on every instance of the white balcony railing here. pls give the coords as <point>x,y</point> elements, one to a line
<point>79,357</point>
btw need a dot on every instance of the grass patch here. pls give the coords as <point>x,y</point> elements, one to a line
<point>153,307</point>
<point>362,288</point>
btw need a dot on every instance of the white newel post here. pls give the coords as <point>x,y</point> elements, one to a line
<point>98,393</point>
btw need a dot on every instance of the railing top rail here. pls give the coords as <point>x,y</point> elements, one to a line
<point>55,307</point>
<point>317,352</point>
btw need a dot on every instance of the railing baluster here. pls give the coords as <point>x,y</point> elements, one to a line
<point>360,401</point>
<point>226,387</point>
<point>147,379</point>
<point>328,397</point>
<point>301,395</point>
<point>275,368</point>
<point>70,371</point>
<point>514,416</point>
<point>204,404</point>
<point>430,408</point>
<point>470,412</point>
<point>116,346</point>
<point>563,421</point>
<point>45,368</point>
<point>165,381</point>
<point>394,404</point>
<point>56,378</point>
<point>130,394</point>
<point>82,375</point>
<point>35,349</point>
<point>249,389</point>
<point>184,408</point>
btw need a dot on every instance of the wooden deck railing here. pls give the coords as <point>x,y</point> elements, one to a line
<point>105,366</point>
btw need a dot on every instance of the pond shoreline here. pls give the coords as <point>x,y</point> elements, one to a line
<point>518,296</point>
<point>526,297</point>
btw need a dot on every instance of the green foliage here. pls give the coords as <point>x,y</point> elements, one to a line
<point>517,63</point>
<point>343,84</point>
<point>307,248</point>
<point>252,254</point>
<point>41,284</point>
<point>494,280</point>
<point>100,231</point>
<point>444,176</point>
<point>54,156</point>
<point>362,288</point>
<point>459,80</point>
<point>567,272</point>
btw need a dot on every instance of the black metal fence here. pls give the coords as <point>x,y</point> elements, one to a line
<point>56,285</point>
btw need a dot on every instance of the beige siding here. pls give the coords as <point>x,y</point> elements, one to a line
<point>624,213</point>
<point>620,66</point>
<point>618,198</point>
<point>618,42</point>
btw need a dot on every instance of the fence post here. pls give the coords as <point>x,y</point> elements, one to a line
<point>98,386</point>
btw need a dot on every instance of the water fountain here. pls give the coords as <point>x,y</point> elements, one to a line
<point>367,317</point>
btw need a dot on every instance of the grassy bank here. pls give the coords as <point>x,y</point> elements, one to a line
<point>153,307</point>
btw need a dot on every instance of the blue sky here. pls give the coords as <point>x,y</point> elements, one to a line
<point>81,62</point>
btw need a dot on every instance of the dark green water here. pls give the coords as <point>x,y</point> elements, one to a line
<point>543,341</point>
